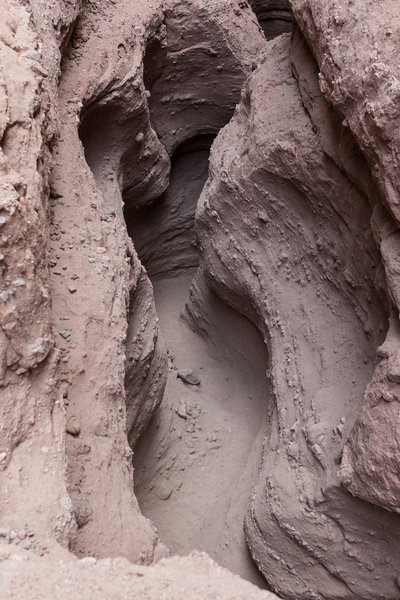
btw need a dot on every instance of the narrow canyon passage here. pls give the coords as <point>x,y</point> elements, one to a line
<point>200,300</point>
<point>196,464</point>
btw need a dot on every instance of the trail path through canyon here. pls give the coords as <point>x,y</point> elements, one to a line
<point>196,464</point>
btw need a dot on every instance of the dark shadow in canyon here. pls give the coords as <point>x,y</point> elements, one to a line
<point>273,16</point>
<point>163,233</point>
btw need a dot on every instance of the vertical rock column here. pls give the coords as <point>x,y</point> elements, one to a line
<point>33,491</point>
<point>302,264</point>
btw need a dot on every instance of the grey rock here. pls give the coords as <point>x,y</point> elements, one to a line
<point>87,561</point>
<point>181,410</point>
<point>163,491</point>
<point>66,333</point>
<point>73,426</point>
<point>188,376</point>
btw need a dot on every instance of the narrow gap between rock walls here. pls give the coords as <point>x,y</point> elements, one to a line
<point>197,463</point>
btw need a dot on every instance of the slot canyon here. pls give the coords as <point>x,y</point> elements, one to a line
<point>199,304</point>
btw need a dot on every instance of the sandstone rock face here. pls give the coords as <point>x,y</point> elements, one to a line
<point>274,16</point>
<point>107,111</point>
<point>177,578</point>
<point>105,272</point>
<point>63,359</point>
<point>32,417</point>
<point>320,306</point>
<point>358,77</point>
<point>195,66</point>
<point>163,233</point>
<point>76,378</point>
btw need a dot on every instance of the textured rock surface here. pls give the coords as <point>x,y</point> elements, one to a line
<point>319,305</point>
<point>163,233</point>
<point>196,577</point>
<point>93,276</point>
<point>354,50</point>
<point>67,350</point>
<point>274,16</point>
<point>32,420</point>
<point>105,108</point>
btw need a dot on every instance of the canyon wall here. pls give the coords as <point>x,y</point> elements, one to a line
<point>302,263</point>
<point>296,229</point>
<point>360,79</point>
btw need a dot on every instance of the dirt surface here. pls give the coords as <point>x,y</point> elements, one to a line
<point>197,577</point>
<point>197,463</point>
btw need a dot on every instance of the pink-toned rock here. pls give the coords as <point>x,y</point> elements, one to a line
<point>76,144</point>
<point>297,230</point>
<point>296,265</point>
<point>32,414</point>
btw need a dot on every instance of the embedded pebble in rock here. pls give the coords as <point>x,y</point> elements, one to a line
<point>73,426</point>
<point>163,491</point>
<point>181,410</point>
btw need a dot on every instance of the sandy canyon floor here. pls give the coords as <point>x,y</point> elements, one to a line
<point>198,460</point>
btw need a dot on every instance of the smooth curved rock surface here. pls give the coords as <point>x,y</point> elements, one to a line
<point>274,16</point>
<point>320,306</point>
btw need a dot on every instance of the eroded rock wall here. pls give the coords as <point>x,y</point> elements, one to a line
<point>97,281</point>
<point>32,414</point>
<point>87,380</point>
<point>194,66</point>
<point>354,49</point>
<point>274,16</point>
<point>303,265</point>
<point>297,230</point>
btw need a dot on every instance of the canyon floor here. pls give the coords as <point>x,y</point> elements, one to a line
<point>198,460</point>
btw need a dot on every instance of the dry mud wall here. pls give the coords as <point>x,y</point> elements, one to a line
<point>296,230</point>
<point>193,69</point>
<point>273,16</point>
<point>316,301</point>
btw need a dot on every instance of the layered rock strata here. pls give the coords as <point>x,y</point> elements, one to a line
<point>32,419</point>
<point>274,16</point>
